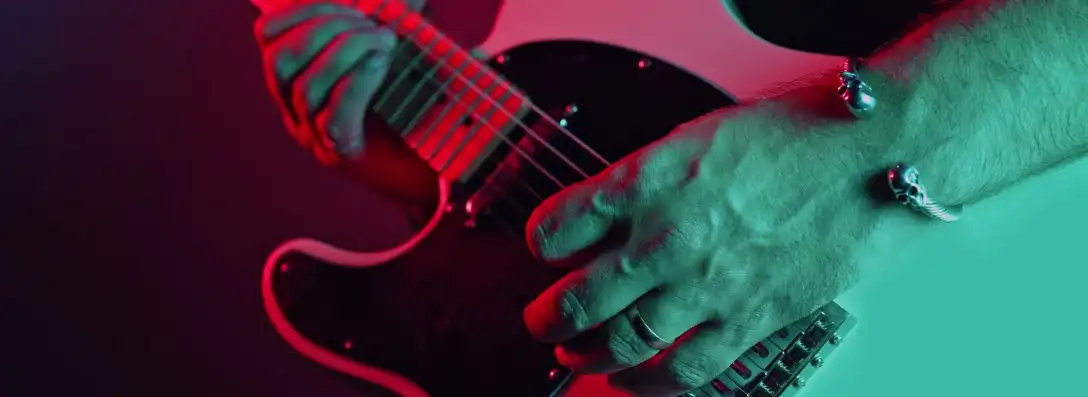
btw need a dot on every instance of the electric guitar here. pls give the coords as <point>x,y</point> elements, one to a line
<point>560,90</point>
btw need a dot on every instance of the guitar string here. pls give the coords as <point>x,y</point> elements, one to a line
<point>393,55</point>
<point>381,106</point>
<point>532,107</point>
<point>513,145</point>
<point>412,64</point>
<point>457,74</point>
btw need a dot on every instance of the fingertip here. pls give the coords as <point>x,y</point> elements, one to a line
<point>694,360</point>
<point>343,135</point>
<point>537,317</point>
<point>578,217</point>
<point>558,313</point>
<point>538,228</point>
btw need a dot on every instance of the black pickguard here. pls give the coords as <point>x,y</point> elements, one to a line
<point>448,314</point>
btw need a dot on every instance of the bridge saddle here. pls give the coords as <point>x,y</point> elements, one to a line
<point>779,365</point>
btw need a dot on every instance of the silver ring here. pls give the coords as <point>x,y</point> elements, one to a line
<point>645,332</point>
<point>905,183</point>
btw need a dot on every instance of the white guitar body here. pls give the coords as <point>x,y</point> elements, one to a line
<point>958,304</point>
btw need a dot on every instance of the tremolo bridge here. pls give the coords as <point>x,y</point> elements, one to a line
<point>779,365</point>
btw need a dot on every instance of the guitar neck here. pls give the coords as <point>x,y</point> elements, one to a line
<point>451,108</point>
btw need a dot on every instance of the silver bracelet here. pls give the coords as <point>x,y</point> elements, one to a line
<point>904,182</point>
<point>902,179</point>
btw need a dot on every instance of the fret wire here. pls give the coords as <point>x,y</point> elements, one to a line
<point>510,143</point>
<point>387,92</point>
<point>434,96</point>
<point>456,73</point>
<point>544,116</point>
<point>445,109</point>
<point>528,130</point>
<point>460,120</point>
<point>426,78</point>
<point>476,128</point>
<point>400,76</point>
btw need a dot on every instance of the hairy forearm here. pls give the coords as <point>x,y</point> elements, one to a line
<point>986,95</point>
<point>979,98</point>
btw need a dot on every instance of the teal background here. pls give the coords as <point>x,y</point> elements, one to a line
<point>992,306</point>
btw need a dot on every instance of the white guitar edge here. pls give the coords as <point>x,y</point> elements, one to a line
<point>702,37</point>
<point>341,257</point>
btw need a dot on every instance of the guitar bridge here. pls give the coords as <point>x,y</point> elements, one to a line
<point>779,365</point>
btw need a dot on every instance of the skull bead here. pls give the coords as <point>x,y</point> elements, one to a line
<point>904,182</point>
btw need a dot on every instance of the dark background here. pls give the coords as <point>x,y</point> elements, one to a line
<point>147,176</point>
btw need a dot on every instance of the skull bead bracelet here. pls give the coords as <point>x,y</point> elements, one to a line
<point>902,179</point>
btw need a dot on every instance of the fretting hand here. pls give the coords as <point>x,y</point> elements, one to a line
<point>734,232</point>
<point>323,63</point>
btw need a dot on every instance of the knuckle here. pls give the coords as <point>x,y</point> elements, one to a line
<point>626,350</point>
<point>693,371</point>
<point>328,27</point>
<point>573,311</point>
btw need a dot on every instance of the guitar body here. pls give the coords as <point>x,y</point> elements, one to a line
<point>447,313</point>
<point>441,314</point>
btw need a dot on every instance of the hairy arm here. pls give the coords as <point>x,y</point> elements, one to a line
<point>979,98</point>
<point>989,94</point>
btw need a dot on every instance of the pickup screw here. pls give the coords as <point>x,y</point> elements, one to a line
<point>799,383</point>
<point>817,361</point>
<point>835,339</point>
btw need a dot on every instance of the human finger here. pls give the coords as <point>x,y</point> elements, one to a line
<point>696,358</point>
<point>582,215</point>
<point>342,120</point>
<point>289,57</point>
<point>636,335</point>
<point>616,279</point>
<point>359,59</point>
<point>272,25</point>
<point>577,217</point>
<point>587,297</point>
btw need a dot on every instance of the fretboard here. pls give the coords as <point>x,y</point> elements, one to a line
<point>451,108</point>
